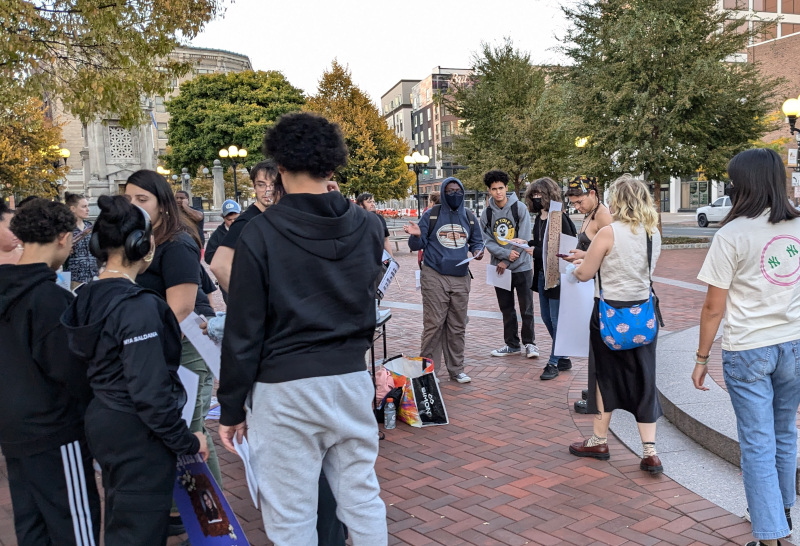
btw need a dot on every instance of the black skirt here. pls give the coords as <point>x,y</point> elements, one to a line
<point>627,379</point>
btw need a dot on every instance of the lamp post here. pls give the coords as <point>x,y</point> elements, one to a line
<point>417,161</point>
<point>234,154</point>
<point>792,108</point>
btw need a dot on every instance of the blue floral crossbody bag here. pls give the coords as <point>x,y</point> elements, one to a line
<point>630,327</point>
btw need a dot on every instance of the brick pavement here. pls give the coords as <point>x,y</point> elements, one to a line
<point>500,472</point>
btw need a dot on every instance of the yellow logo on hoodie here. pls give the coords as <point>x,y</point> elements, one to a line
<point>503,228</point>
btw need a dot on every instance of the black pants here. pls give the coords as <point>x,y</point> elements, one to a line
<point>138,476</point>
<point>54,497</point>
<point>521,283</point>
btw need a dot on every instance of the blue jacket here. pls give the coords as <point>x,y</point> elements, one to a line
<point>452,237</point>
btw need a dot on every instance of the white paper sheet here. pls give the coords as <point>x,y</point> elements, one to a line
<point>512,243</point>
<point>417,279</point>
<point>500,281</point>
<point>208,349</point>
<point>190,382</point>
<point>565,244</point>
<point>554,206</point>
<point>574,312</point>
<point>462,262</point>
<point>243,450</point>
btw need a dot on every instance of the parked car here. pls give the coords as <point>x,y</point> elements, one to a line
<point>714,212</point>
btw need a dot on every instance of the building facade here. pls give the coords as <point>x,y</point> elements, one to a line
<point>396,108</point>
<point>103,153</point>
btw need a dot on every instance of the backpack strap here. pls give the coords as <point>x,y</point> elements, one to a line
<point>432,219</point>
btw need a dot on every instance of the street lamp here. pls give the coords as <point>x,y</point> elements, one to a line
<point>234,154</point>
<point>416,161</point>
<point>792,108</point>
<point>64,154</point>
<point>162,171</point>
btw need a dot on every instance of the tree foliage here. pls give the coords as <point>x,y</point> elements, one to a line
<point>217,110</point>
<point>653,89</point>
<point>513,118</point>
<point>30,162</point>
<point>97,56</point>
<point>376,154</point>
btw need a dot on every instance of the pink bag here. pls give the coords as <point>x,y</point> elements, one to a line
<point>384,384</point>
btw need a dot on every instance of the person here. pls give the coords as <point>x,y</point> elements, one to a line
<point>10,248</point>
<point>433,200</point>
<point>131,343</point>
<point>622,379</point>
<point>583,194</point>
<point>538,196</point>
<point>752,274</point>
<point>44,391</point>
<point>295,347</point>
<point>263,176</point>
<point>367,202</point>
<point>230,212</point>
<point>506,218</point>
<point>175,275</point>
<point>194,215</point>
<point>444,283</point>
<point>81,264</point>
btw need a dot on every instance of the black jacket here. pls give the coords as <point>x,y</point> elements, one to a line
<point>302,296</point>
<point>131,343</point>
<point>43,390</point>
<point>568,228</point>
<point>214,241</point>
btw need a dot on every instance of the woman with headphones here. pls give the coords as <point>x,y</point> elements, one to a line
<point>131,343</point>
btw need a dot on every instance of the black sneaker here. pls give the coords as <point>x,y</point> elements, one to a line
<point>786,512</point>
<point>580,407</point>
<point>759,543</point>
<point>584,394</point>
<point>550,372</point>
<point>564,364</point>
<point>175,526</point>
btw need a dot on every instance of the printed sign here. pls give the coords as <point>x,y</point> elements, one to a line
<point>796,179</point>
<point>792,158</point>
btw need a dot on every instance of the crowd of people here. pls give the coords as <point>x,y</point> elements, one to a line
<point>100,360</point>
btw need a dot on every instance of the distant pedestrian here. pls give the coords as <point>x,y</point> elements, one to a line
<point>367,202</point>
<point>194,214</point>
<point>10,247</point>
<point>752,270</point>
<point>623,379</point>
<point>81,264</point>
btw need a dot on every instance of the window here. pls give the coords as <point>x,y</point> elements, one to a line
<point>768,32</point>
<point>446,129</point>
<point>428,114</point>
<point>790,6</point>
<point>770,6</point>
<point>727,202</point>
<point>162,131</point>
<point>430,136</point>
<point>401,126</point>
<point>427,94</point>
<point>789,28</point>
<point>734,4</point>
<point>160,104</point>
<point>430,152</point>
<point>719,202</point>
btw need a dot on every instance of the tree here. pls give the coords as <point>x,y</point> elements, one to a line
<point>217,110</point>
<point>30,162</point>
<point>655,91</point>
<point>97,57</point>
<point>512,118</point>
<point>376,154</point>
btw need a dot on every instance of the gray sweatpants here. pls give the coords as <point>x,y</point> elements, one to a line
<point>297,428</point>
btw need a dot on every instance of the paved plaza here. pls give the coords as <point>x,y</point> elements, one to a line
<point>500,472</point>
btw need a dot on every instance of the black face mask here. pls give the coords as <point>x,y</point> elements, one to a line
<point>536,204</point>
<point>455,200</point>
<point>730,191</point>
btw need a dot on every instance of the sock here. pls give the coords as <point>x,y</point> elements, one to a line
<point>649,449</point>
<point>595,440</point>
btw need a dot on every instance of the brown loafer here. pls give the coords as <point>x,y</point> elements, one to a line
<point>652,465</point>
<point>580,449</point>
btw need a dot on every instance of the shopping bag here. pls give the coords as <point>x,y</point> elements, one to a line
<point>383,384</point>
<point>422,404</point>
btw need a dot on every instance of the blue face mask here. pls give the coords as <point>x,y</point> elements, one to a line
<point>455,200</point>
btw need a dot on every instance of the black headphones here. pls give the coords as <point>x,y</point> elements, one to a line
<point>137,243</point>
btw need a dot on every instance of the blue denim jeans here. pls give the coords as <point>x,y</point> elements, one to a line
<point>764,385</point>
<point>549,311</point>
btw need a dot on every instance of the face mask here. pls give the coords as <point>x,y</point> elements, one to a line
<point>454,201</point>
<point>536,204</point>
<point>730,191</point>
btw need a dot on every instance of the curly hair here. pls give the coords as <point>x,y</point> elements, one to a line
<point>305,142</point>
<point>495,176</point>
<point>632,204</point>
<point>42,221</point>
<point>547,188</point>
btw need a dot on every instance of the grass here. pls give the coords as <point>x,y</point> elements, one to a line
<point>683,240</point>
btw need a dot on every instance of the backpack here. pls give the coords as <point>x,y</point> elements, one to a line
<point>514,214</point>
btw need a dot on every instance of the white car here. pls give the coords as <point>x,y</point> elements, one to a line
<point>714,212</point>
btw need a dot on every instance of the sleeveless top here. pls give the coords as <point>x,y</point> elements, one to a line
<point>624,270</point>
<point>583,241</point>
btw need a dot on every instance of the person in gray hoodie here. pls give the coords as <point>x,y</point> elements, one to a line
<point>446,232</point>
<point>504,219</point>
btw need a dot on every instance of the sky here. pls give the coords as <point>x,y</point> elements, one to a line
<point>381,42</point>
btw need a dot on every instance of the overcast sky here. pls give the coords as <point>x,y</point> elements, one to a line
<point>382,42</point>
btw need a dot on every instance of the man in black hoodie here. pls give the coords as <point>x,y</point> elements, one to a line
<point>44,391</point>
<point>301,318</point>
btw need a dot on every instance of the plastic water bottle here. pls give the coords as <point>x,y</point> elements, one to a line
<point>389,415</point>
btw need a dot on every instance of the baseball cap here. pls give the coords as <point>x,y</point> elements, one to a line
<point>230,206</point>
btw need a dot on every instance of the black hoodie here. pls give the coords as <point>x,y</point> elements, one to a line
<point>43,391</point>
<point>131,343</point>
<point>302,296</point>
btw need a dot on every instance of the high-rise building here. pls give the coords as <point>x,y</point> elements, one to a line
<point>784,14</point>
<point>396,108</point>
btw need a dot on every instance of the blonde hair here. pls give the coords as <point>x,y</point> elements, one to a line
<point>631,204</point>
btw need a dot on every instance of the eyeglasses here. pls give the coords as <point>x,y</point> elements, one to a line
<point>264,187</point>
<point>577,202</point>
<point>454,192</point>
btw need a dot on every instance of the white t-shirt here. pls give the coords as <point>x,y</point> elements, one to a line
<point>759,264</point>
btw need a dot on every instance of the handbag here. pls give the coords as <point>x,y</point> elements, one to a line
<point>630,327</point>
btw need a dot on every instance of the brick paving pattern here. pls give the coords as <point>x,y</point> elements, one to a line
<point>500,472</point>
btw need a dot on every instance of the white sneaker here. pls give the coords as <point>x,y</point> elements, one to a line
<point>463,378</point>
<point>531,351</point>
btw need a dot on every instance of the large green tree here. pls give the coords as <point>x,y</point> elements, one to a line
<point>654,88</point>
<point>376,154</point>
<point>218,110</point>
<point>512,118</point>
<point>97,56</point>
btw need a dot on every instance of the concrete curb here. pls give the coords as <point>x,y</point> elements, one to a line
<point>687,245</point>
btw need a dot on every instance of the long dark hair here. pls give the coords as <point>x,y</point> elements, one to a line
<point>548,189</point>
<point>759,183</point>
<point>173,221</point>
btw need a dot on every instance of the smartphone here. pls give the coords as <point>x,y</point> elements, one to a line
<point>563,255</point>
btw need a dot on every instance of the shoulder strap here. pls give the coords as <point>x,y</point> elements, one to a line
<point>515,215</point>
<point>433,218</point>
<point>489,218</point>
